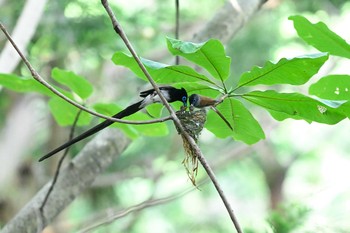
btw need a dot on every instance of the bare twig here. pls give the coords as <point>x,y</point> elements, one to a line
<point>177,26</point>
<point>37,77</point>
<point>119,30</point>
<point>109,215</point>
<point>59,165</point>
<point>114,214</point>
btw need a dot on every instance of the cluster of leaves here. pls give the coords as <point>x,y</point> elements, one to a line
<point>329,106</point>
<point>78,89</point>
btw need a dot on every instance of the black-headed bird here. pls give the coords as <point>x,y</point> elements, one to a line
<point>171,94</point>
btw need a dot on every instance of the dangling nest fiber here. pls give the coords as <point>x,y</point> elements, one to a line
<point>193,123</point>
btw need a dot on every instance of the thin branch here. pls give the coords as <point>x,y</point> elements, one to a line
<point>119,30</point>
<point>177,26</point>
<point>37,77</point>
<point>115,214</point>
<point>59,165</point>
<point>109,215</point>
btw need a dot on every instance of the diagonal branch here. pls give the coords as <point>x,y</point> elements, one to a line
<point>119,30</point>
<point>38,78</point>
<point>59,166</point>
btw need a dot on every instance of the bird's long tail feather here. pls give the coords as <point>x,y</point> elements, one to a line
<point>124,113</point>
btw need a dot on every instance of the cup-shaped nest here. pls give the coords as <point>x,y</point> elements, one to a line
<point>193,123</point>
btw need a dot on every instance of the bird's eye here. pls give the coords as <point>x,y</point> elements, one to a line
<point>184,98</point>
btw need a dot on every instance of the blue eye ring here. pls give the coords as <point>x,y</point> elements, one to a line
<point>184,100</point>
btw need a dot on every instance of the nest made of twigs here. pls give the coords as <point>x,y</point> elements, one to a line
<point>193,123</point>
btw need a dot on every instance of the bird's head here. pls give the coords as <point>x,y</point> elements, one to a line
<point>194,100</point>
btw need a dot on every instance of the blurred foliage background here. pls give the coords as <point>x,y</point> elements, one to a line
<point>294,181</point>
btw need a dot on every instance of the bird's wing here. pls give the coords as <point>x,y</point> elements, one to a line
<point>145,93</point>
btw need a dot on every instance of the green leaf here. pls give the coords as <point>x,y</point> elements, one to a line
<point>344,108</point>
<point>332,87</point>
<point>295,71</point>
<point>280,116</point>
<point>174,74</point>
<point>198,88</point>
<point>295,106</point>
<point>65,113</point>
<point>156,129</point>
<point>23,84</point>
<point>109,109</point>
<point>245,127</point>
<point>209,55</point>
<point>160,72</point>
<point>321,37</point>
<point>76,83</point>
<point>155,110</point>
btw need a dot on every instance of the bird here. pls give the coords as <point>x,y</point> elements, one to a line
<point>199,101</point>
<point>171,94</point>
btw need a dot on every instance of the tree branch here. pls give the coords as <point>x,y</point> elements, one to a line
<point>74,179</point>
<point>38,78</point>
<point>59,165</point>
<point>119,30</point>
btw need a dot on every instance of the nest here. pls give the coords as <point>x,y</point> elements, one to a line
<point>193,123</point>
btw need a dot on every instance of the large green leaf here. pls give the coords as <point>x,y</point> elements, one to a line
<point>296,106</point>
<point>23,84</point>
<point>245,127</point>
<point>112,109</point>
<point>156,129</point>
<point>280,116</point>
<point>333,87</point>
<point>344,108</point>
<point>155,110</point>
<point>160,72</point>
<point>295,71</point>
<point>321,37</point>
<point>198,88</point>
<point>76,83</point>
<point>209,55</point>
<point>65,113</point>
